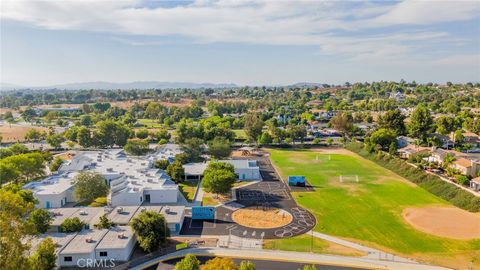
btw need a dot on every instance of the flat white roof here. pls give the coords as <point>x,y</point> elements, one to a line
<point>195,168</point>
<point>175,213</point>
<point>60,214</point>
<point>124,216</point>
<point>89,215</point>
<point>114,163</point>
<point>54,184</point>
<point>60,240</point>
<point>241,163</point>
<point>116,238</point>
<point>84,242</point>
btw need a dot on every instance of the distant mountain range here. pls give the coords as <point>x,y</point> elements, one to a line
<point>139,85</point>
<point>124,86</point>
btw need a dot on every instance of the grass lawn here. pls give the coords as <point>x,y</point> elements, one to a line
<point>149,123</point>
<point>240,134</point>
<point>305,243</point>
<point>188,189</point>
<point>369,211</point>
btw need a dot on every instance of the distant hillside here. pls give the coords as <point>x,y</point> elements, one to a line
<point>307,84</point>
<point>125,86</point>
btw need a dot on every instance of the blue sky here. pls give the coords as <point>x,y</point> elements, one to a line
<point>246,42</point>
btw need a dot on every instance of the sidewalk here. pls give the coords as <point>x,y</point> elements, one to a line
<point>373,254</point>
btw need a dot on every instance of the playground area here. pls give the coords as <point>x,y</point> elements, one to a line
<point>261,217</point>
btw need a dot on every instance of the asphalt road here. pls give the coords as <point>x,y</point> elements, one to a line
<point>260,265</point>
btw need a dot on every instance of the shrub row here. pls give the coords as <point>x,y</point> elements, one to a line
<point>431,183</point>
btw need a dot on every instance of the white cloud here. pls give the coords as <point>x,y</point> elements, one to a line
<point>257,22</point>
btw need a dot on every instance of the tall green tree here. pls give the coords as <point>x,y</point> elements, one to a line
<point>89,186</point>
<point>420,123</point>
<point>393,120</point>
<point>219,147</point>
<point>13,248</point>
<point>246,265</point>
<point>55,140</point>
<point>189,262</point>
<point>70,225</point>
<point>219,178</point>
<point>39,221</point>
<point>44,257</point>
<point>151,230</point>
<point>253,126</point>
<point>176,171</point>
<point>218,263</point>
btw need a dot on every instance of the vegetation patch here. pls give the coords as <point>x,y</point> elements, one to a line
<point>373,216</point>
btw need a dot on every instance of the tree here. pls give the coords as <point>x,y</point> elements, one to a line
<point>55,140</point>
<point>462,180</point>
<point>39,221</point>
<point>136,147</point>
<point>33,135</point>
<point>296,132</point>
<point>162,164</point>
<point>342,123</point>
<point>383,137</point>
<point>13,248</point>
<point>104,223</point>
<point>219,178</point>
<point>72,225</point>
<point>420,123</point>
<point>45,256</point>
<point>309,267</point>
<point>266,138</point>
<point>189,262</point>
<point>111,133</point>
<point>176,171</point>
<point>51,115</point>
<point>142,133</point>
<point>193,148</point>
<point>218,263</point>
<point>253,126</point>
<point>86,120</point>
<point>89,186</point>
<point>84,137</point>
<point>56,163</point>
<point>151,230</point>
<point>246,265</point>
<point>22,167</point>
<point>29,114</point>
<point>393,120</point>
<point>219,147</point>
<point>161,134</point>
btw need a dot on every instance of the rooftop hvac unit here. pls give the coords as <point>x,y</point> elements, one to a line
<point>88,240</point>
<point>99,159</point>
<point>120,210</point>
<point>110,170</point>
<point>150,180</point>
<point>83,213</point>
<point>134,182</point>
<point>143,209</point>
<point>121,236</point>
<point>143,163</point>
<point>167,210</point>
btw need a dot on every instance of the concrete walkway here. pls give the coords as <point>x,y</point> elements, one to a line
<point>197,199</point>
<point>310,258</point>
<point>372,253</point>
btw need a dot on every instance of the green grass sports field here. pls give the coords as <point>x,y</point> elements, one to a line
<point>368,211</point>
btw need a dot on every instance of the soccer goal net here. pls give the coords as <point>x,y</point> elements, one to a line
<point>349,179</point>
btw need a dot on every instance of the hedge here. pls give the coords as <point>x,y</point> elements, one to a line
<point>431,183</point>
